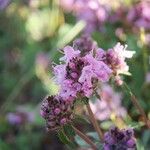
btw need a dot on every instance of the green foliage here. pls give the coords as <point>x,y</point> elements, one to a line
<point>62,136</point>
<point>69,131</point>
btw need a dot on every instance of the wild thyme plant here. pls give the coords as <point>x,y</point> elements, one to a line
<point>82,71</point>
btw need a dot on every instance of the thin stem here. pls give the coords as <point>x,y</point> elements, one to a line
<point>144,51</point>
<point>85,138</point>
<point>137,105</point>
<point>94,122</point>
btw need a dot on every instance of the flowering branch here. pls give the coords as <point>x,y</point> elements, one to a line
<point>94,122</point>
<point>82,67</point>
<point>85,138</point>
<point>137,105</point>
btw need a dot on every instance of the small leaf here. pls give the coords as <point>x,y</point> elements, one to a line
<point>80,119</point>
<point>63,137</point>
<point>136,125</point>
<point>69,131</point>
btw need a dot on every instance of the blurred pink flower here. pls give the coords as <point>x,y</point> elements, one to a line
<point>67,5</point>
<point>91,11</point>
<point>14,118</point>
<point>4,4</point>
<point>110,103</point>
<point>116,56</point>
<point>42,60</point>
<point>139,15</point>
<point>148,77</point>
<point>20,116</point>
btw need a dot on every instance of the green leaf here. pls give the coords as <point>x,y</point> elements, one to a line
<point>136,125</point>
<point>63,138</point>
<point>80,119</point>
<point>140,146</point>
<point>73,32</point>
<point>69,131</point>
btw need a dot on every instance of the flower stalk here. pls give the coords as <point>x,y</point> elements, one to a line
<point>94,122</point>
<point>85,138</point>
<point>137,105</point>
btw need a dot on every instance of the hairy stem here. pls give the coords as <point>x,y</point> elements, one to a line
<point>137,105</point>
<point>94,122</point>
<point>85,138</point>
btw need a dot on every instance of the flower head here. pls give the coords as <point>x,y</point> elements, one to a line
<point>80,69</point>
<point>119,139</point>
<point>56,111</point>
<point>115,58</point>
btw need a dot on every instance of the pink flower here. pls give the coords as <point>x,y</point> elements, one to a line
<point>101,71</point>
<point>69,54</point>
<point>60,73</point>
<point>110,103</point>
<point>115,58</point>
<point>84,67</point>
<point>77,76</point>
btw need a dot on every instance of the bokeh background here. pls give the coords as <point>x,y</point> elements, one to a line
<point>32,33</point>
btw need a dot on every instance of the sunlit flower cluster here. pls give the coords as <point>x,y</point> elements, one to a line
<point>82,71</point>
<point>82,68</point>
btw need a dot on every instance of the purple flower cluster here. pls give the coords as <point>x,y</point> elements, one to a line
<point>56,111</point>
<point>116,139</point>
<point>4,4</point>
<point>91,11</point>
<point>84,66</point>
<point>115,58</point>
<point>139,15</point>
<point>81,70</point>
